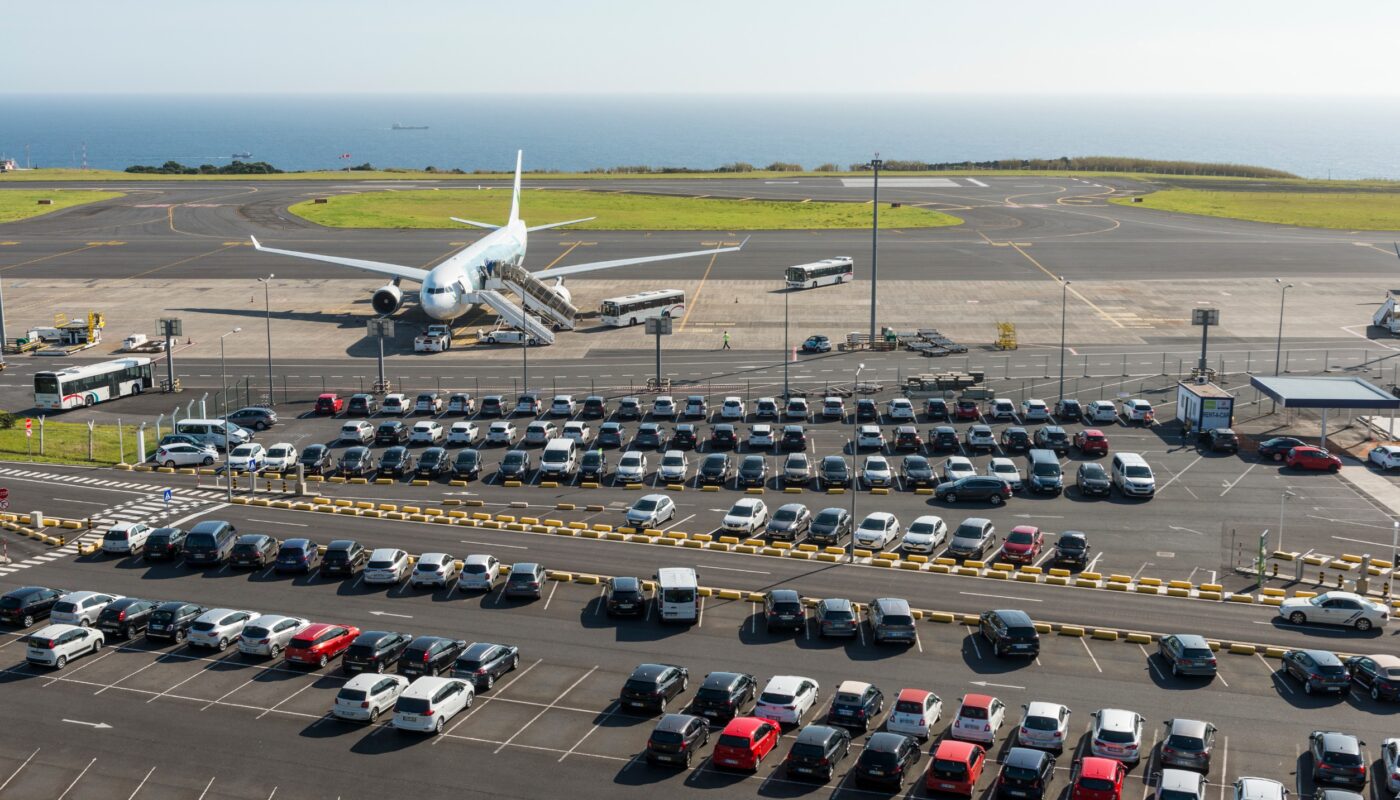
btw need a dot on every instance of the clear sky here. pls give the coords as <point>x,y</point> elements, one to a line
<point>1280,47</point>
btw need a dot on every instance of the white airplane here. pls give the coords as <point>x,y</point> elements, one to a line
<point>451,288</point>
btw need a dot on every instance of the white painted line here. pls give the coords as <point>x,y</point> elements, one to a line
<point>733,569</point>
<point>1240,478</point>
<point>494,544</point>
<point>1003,597</point>
<point>142,783</point>
<point>700,618</point>
<point>552,590</point>
<point>288,697</point>
<point>1091,654</point>
<point>972,636</point>
<point>1151,664</point>
<point>75,780</point>
<point>545,709</point>
<point>976,182</point>
<point>17,769</point>
<point>128,675</point>
<point>275,522</point>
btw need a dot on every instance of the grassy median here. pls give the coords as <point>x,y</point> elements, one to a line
<point>24,203</point>
<point>67,443</point>
<point>1372,211</point>
<point>615,212</point>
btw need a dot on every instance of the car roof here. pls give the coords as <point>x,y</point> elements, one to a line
<point>55,629</point>
<point>852,687</point>
<point>977,701</point>
<point>836,603</point>
<point>745,726</point>
<point>913,696</point>
<point>426,686</point>
<point>1192,640</point>
<point>1040,708</point>
<point>649,671</point>
<point>978,521</point>
<point>479,649</point>
<point>270,619</point>
<point>880,515</point>
<point>315,629</point>
<point>816,734</point>
<point>1098,767</point>
<point>298,543</point>
<point>792,507</point>
<point>1014,616</point>
<point>885,742</point>
<point>1189,727</point>
<point>341,544</point>
<point>25,591</point>
<point>722,680</point>
<point>385,552</point>
<point>675,723</point>
<point>1259,789</point>
<point>1116,719</point>
<point>954,750</point>
<point>784,684</point>
<point>1024,757</point>
<point>1338,742</point>
<point>784,596</point>
<point>626,583</point>
<point>745,502</point>
<point>367,680</point>
<point>1181,780</point>
<point>80,595</point>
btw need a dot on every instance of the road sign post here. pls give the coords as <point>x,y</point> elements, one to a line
<point>658,327</point>
<point>171,329</point>
<point>381,328</point>
<point>165,495</point>
<point>1204,317</point>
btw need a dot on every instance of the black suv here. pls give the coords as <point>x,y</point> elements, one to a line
<point>173,620</point>
<point>817,751</point>
<point>833,471</point>
<point>26,605</point>
<point>723,695</point>
<point>794,438</point>
<point>936,409</point>
<point>723,436</point>
<point>1025,772</point>
<point>611,434</point>
<point>391,432</point>
<point>684,437</point>
<point>625,596</point>
<point>315,459</point>
<point>783,610</point>
<point>356,462</point>
<point>593,466</point>
<point>1052,437</point>
<point>886,759</point>
<point>867,410</point>
<point>653,686</point>
<point>298,555</point>
<point>482,663</point>
<point>594,407</point>
<point>433,463</point>
<point>467,464</point>
<point>753,471</point>
<point>856,706</point>
<point>397,461</point>
<point>714,469</point>
<point>829,526</point>
<point>1071,548</point>
<point>125,617</point>
<point>1015,440</point>
<point>362,405</point>
<point>255,550</point>
<point>675,739</point>
<point>343,557</point>
<point>1010,632</point>
<point>374,651</point>
<point>1223,440</point>
<point>430,655</point>
<point>164,544</point>
<point>943,438</point>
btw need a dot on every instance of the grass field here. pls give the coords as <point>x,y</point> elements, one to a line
<point>67,443</point>
<point>615,212</point>
<point>1375,211</point>
<point>23,203</point>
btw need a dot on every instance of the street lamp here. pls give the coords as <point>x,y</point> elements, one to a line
<point>1278,346</point>
<point>223,404</point>
<point>1282,498</point>
<point>267,307</point>
<point>875,164</point>
<point>851,546</point>
<point>1394,547</point>
<point>1064,301</point>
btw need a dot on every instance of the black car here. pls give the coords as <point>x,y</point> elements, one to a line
<point>723,436</point>
<point>833,472</point>
<point>714,469</point>
<point>1337,758</point>
<point>433,462</point>
<point>783,610</point>
<point>867,410</point>
<point>794,438</point>
<point>886,759</point>
<point>1092,480</point>
<point>430,655</point>
<point>1222,440</point>
<point>856,705</point>
<point>397,461</point>
<point>483,662</point>
<point>684,437</point>
<point>254,550</point>
<point>515,465</point>
<point>625,596</point>
<point>652,686</point>
<point>816,752</point>
<point>343,557</point>
<point>1378,674</point>
<point>164,544</point>
<point>594,407</point>
<point>374,651</point>
<point>593,466</point>
<point>315,459</point>
<point>356,462</point>
<point>916,471</point>
<point>1317,670</point>
<point>974,487</point>
<point>467,464</point>
<point>648,437</point>
<point>28,604</point>
<point>1052,437</point>
<point>829,526</point>
<point>125,617</point>
<point>1068,410</point>
<point>753,471</point>
<point>1015,440</point>
<point>1276,449</point>
<point>944,438</point>
<point>298,555</point>
<point>936,409</point>
<point>173,620</point>
<point>1025,772</point>
<point>491,406</point>
<point>362,405</point>
<point>391,432</point>
<point>1072,548</point>
<point>611,434</point>
<point>1010,632</point>
<point>675,739</point>
<point>259,419</point>
<point>724,695</point>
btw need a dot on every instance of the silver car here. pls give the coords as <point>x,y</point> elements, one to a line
<point>674,467</point>
<point>80,608</point>
<point>386,565</point>
<point>219,627</point>
<point>650,511</point>
<point>364,697</point>
<point>433,569</point>
<point>269,634</point>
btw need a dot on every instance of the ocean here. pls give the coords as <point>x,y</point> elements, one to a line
<point>1310,136</point>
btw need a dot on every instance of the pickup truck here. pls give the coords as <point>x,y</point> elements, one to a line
<point>433,339</point>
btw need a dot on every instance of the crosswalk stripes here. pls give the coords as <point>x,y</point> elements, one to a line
<point>206,494</point>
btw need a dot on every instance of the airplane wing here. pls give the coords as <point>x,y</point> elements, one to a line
<point>392,270</point>
<point>488,226</point>
<point>534,228</point>
<point>574,269</point>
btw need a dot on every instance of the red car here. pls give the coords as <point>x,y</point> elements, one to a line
<point>1022,544</point>
<point>745,742</point>
<point>955,768</point>
<point>330,403</point>
<point>1091,441</point>
<point>967,409</point>
<point>1315,458</point>
<point>320,643</point>
<point>1097,778</point>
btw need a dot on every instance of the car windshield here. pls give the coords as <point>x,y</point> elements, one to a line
<point>1138,472</point>
<point>948,768</point>
<point>1020,537</point>
<point>513,459</point>
<point>1342,759</point>
<point>645,504</point>
<point>1047,469</point>
<point>1180,742</point>
<point>672,461</point>
<point>631,460</point>
<point>1005,469</point>
<point>775,699</point>
<point>785,515</point>
<point>1020,773</point>
<point>1116,737</point>
<point>973,712</point>
<point>968,532</point>
<point>730,740</point>
<point>742,511</point>
<point>1096,784</point>
<point>828,518</point>
<point>1041,723</point>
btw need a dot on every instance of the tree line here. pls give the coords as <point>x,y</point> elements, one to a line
<point>1085,163</point>
<point>234,168</point>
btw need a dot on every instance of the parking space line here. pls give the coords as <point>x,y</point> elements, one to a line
<point>495,695</point>
<point>1151,664</point>
<point>1277,677</point>
<point>52,681</point>
<point>552,590</point>
<point>75,780</point>
<point>206,788</point>
<point>1087,649</point>
<point>700,619</point>
<point>551,705</point>
<point>128,675</point>
<point>284,700</point>
<point>229,692</point>
<point>1236,482</point>
<point>607,714</point>
<point>972,637</point>
<point>142,783</point>
<point>1225,766</point>
<point>20,767</point>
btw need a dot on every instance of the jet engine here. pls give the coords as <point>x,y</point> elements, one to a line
<point>387,299</point>
<point>564,293</point>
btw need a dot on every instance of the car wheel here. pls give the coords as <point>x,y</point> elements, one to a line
<point>28,620</point>
<point>438,727</point>
<point>170,463</point>
<point>273,651</point>
<point>951,497</point>
<point>260,426</point>
<point>1176,671</point>
<point>85,623</point>
<point>1307,687</point>
<point>61,662</point>
<point>1278,456</point>
<point>125,632</point>
<point>373,715</point>
<point>1363,625</point>
<point>181,636</point>
<point>321,662</point>
<point>1375,692</point>
<point>490,681</point>
<point>223,643</point>
<point>378,668</point>
<point>515,662</point>
<point>995,499</point>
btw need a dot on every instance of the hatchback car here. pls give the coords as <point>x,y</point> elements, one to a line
<point>501,432</point>
<point>483,663</point>
<point>786,699</point>
<point>125,539</point>
<point>973,538</point>
<point>723,436</point>
<point>247,457</point>
<point>80,608</point>
<point>280,457</point>
<point>1010,633</point>
<point>867,410</point>
<point>391,432</point>
<point>1378,675</point>
<point>1187,743</point>
<point>1025,772</point>
<point>433,463</point>
<point>1337,759</point>
<point>796,409</point>
<point>829,526</point>
<point>259,419</point>
<point>374,651</point>
<point>461,403</point>
<point>833,472</point>
<point>1187,654</point>
<point>1180,784</point>
<point>836,616</point>
<point>653,686</point>
<point>427,431</point>
<point>1007,470</point>
<point>663,406</point>
<point>126,617</point>
<point>943,439</point>
<point>343,557</point>
<point>479,573</point>
<point>747,515</point>
<point>173,621</point>
<point>1222,440</point>
<point>1386,456</point>
<point>438,570</point>
<point>886,760</point>
<point>298,555</point>
<point>515,466</point>
<point>936,408</point>
<point>675,739</point>
<point>958,467</point>
<point>956,767</point>
<point>649,437</point>
<point>917,472</point>
<point>217,628</point>
<point>1312,458</point>
<point>877,472</point>
<point>1015,439</point>
<point>1092,480</point>
<point>320,643</point>
<point>526,580</point>
<point>315,459</point>
<point>356,462</point>
<point>783,610</point>
<point>269,634</point>
<point>362,405</point>
<point>744,743</point>
<point>364,697</point>
<point>723,695</point>
<point>789,521</point>
<point>760,436</point>
<point>870,437</point>
<point>28,604</point>
<point>1091,442</point>
<point>651,510</point>
<point>360,432</point>
<point>1117,734</point>
<point>925,535</point>
<point>625,596</point>
<point>386,565</point>
<point>753,471</point>
<point>856,705</point>
<point>1044,725</point>
<point>429,703</point>
<point>877,531</point>
<point>816,752</point>
<point>185,455</point>
<point>1096,778</point>
<point>980,437</point>
<point>631,467</point>
<point>915,713</point>
<point>1022,545</point>
<point>675,468</point>
<point>979,718</point>
<point>541,432</point>
<point>1318,670</point>
<point>56,645</point>
<point>797,469</point>
<point>833,408</point>
<point>684,437</point>
<point>430,655</point>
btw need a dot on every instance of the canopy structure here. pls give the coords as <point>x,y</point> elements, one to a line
<point>1325,393</point>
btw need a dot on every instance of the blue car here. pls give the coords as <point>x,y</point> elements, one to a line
<point>816,344</point>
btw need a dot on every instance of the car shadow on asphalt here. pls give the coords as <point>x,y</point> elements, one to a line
<point>640,628</point>
<point>978,657</point>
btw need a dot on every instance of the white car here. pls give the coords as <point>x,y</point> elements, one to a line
<point>695,406</point>
<point>563,405</point>
<point>915,713</point>
<point>359,432</point>
<point>1117,734</point>
<point>80,608</point>
<point>502,432</point>
<point>833,408</point>
<point>479,573</point>
<point>429,703</point>
<point>540,432</point>
<point>56,645</point>
<point>1001,409</point>
<point>1006,469</point>
<point>787,699</point>
<point>631,468</point>
<point>747,515</point>
<point>870,436</point>
<point>925,535</point>
<point>269,634</point>
<point>877,472</point>
<point>1259,789</point>
<point>386,565</point>
<point>674,467</point>
<point>463,432</point>
<point>396,404</point>
<point>760,436</point>
<point>957,467</point>
<point>1335,608</point>
<point>732,408</point>
<point>877,530</point>
<point>1136,410</point>
<point>577,430</point>
<point>246,457</point>
<point>428,431</point>
<point>1180,784</point>
<point>281,457</point>
<point>979,718</point>
<point>1033,410</point>
<point>766,408</point>
<point>217,628</point>
<point>901,410</point>
<point>651,510</point>
<point>180,454</point>
<point>1390,757</point>
<point>796,408</point>
<point>1101,411</point>
<point>1386,456</point>
<point>1044,726</point>
<point>433,569</point>
<point>125,538</point>
<point>980,437</point>
<point>364,697</point>
<point>663,406</point>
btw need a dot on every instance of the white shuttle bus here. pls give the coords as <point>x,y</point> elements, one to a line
<point>635,308</point>
<point>821,273</point>
<point>91,384</point>
<point>678,594</point>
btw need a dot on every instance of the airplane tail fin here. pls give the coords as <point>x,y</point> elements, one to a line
<point>515,193</point>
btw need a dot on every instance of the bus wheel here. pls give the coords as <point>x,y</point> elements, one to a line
<point>632,321</point>
<point>136,388</point>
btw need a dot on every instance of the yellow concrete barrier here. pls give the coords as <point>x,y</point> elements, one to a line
<point>1180,585</point>
<point>1071,630</point>
<point>792,490</point>
<point>1027,577</point>
<point>1275,652</point>
<point>828,558</point>
<point>721,546</point>
<point>904,565</point>
<point>730,594</point>
<point>1120,578</point>
<point>1212,587</point>
<point>1085,583</point>
<point>1105,634</point>
<point>836,490</point>
<point>1204,595</point>
<point>879,490</point>
<point>1241,598</point>
<point>588,485</point>
<point>1091,576</point>
<point>398,515</point>
<point>879,563</point>
<point>555,575</point>
<point>1267,592</point>
<point>747,550</point>
<point>1003,576</point>
<point>1139,638</point>
<point>1116,587</point>
<point>969,619</point>
<point>968,571</point>
<point>709,488</point>
<point>1000,567</point>
<point>588,580</point>
<point>243,501</point>
<point>675,487</point>
<point>1059,573</point>
<point>1146,589</point>
<point>754,490</point>
<point>923,490</point>
<point>564,506</point>
<point>354,512</point>
<point>1056,580</point>
<point>1242,649</point>
<point>864,553</point>
<point>634,486</point>
<point>940,616</point>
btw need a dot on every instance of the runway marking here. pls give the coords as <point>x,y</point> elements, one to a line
<point>567,251</point>
<point>46,258</point>
<point>695,298</point>
<point>177,263</point>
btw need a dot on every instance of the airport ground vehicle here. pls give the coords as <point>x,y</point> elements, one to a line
<point>434,339</point>
<point>91,384</point>
<point>827,272</point>
<point>636,308</point>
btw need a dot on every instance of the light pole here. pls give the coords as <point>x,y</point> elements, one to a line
<point>1064,304</point>
<point>223,407</point>
<point>1278,346</point>
<point>1394,547</point>
<point>851,545</point>
<point>875,164</point>
<point>267,307</point>
<point>787,348</point>
<point>1282,498</point>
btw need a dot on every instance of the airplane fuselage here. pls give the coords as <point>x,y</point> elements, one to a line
<point>449,290</point>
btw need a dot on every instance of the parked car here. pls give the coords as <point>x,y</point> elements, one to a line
<point>433,463</point>
<point>745,742</point>
<point>1071,548</point>
<point>650,511</point>
<point>1187,654</point>
<point>391,432</point>
<point>1278,447</point>
<point>315,459</point>
<point>374,651</point>
<point>723,436</point>
<point>1378,675</point>
<point>1091,441</point>
<point>786,699</point>
<point>917,472</point>
<point>1022,545</point>
<point>321,643</point>
<point>816,752</point>
<point>980,437</point>
<point>255,417</point>
<point>80,608</point>
<point>1015,439</point>
<point>958,467</point>
<point>268,635</point>
<point>943,439</point>
<point>1068,410</point>
<point>723,695</point>
<point>783,610</point>
<point>526,579</point>
<point>1053,437</point>
<point>747,515</point>
<point>479,573</point>
<point>343,557</point>
<point>886,759</point>
<point>1007,470</point>
<point>437,570</point>
<point>915,713</point>
<point>386,565</point>
<point>280,457</point>
<point>1187,743</point>
<point>396,404</point>
<point>125,539</point>
<point>1337,759</point>
<point>789,521</point>
<point>1025,773</point>
<point>1097,778</point>
<point>816,343</point>
<point>56,645</point>
<point>974,487</point>
<point>594,407</point>
<point>753,471</point>
<point>126,617</point>
<point>430,655</point>
<point>362,405</point>
<point>877,531</point>
<point>28,604</point>
<point>1092,480</point>
<point>797,469</point>
<point>675,739</point>
<point>247,457</point>
<point>925,535</point>
<point>329,404</point>
<point>298,555</point>
<point>428,431</point>
<point>653,686</point>
<point>1312,458</point>
<point>836,616</point>
<point>427,403</point>
<point>1318,670</point>
<point>829,526</point>
<point>501,432</point>
<point>714,469</point>
<point>429,703</point>
<point>1044,725</point>
<point>492,405</point>
<point>182,454</point>
<point>1223,440</point>
<point>164,544</point>
<point>217,628</point>
<point>956,767</point>
<point>625,595</point>
<point>833,472</point>
<point>483,663</point>
<point>1010,632</point>
<point>856,705</point>
<point>364,697</point>
<point>1117,734</point>
<point>461,403</point>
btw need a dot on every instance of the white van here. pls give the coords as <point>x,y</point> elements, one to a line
<point>1132,477</point>
<point>211,432</point>
<point>560,458</point>
<point>678,594</point>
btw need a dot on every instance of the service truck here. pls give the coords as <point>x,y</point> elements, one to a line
<point>1388,315</point>
<point>1203,407</point>
<point>434,339</point>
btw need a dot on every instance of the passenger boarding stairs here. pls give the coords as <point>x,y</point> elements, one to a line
<point>538,296</point>
<point>516,316</point>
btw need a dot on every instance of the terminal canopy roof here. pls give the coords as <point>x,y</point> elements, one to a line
<point>1341,392</point>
